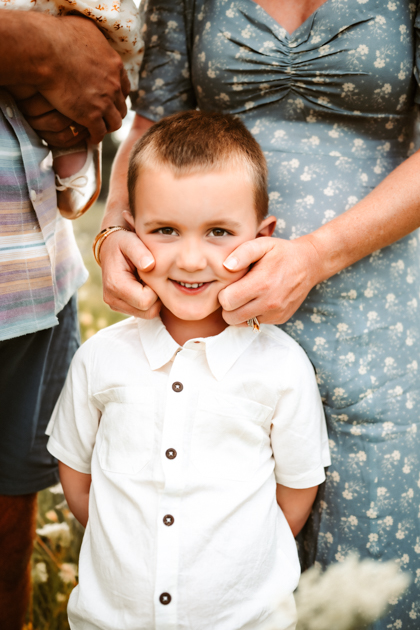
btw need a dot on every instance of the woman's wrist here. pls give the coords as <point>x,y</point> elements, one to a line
<point>315,259</point>
<point>113,214</point>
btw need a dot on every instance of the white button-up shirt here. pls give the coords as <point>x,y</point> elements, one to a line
<point>185,446</point>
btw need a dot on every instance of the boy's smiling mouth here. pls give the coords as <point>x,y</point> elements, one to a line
<point>190,288</point>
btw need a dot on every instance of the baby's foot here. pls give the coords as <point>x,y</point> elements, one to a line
<point>69,162</point>
<point>78,178</point>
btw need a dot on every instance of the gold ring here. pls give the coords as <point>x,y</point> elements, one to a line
<point>74,130</point>
<point>254,324</point>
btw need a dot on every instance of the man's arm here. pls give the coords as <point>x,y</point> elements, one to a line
<point>296,505</point>
<point>70,63</point>
<point>76,487</point>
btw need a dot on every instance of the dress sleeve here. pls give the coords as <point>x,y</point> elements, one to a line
<point>75,420</point>
<point>164,82</point>
<point>417,55</point>
<point>298,434</point>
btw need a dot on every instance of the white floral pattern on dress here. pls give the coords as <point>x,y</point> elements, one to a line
<point>334,107</point>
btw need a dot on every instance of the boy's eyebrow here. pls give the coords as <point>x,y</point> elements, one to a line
<point>156,223</point>
<point>216,223</point>
<point>228,222</point>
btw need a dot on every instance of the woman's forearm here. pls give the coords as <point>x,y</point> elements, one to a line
<point>118,193</point>
<point>389,212</point>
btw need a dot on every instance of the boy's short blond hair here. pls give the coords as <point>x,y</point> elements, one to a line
<point>196,142</point>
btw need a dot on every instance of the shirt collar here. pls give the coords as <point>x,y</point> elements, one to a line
<point>222,350</point>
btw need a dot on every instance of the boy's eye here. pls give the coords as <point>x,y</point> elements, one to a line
<point>218,232</point>
<point>168,231</point>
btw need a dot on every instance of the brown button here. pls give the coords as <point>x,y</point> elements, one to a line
<point>171,453</point>
<point>177,386</point>
<point>168,520</point>
<point>165,599</point>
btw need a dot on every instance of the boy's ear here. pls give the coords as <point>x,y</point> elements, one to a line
<point>267,226</point>
<point>129,218</point>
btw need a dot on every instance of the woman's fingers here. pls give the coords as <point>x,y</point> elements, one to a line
<point>248,253</point>
<point>122,306</point>
<point>133,249</point>
<point>244,291</point>
<point>276,285</point>
<point>121,253</point>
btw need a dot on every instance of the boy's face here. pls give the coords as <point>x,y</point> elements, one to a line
<point>191,224</point>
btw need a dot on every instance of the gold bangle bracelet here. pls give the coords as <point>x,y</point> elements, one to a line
<point>99,239</point>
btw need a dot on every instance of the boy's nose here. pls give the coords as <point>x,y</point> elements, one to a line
<point>191,256</point>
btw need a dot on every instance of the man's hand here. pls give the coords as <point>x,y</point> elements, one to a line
<point>75,71</point>
<point>52,126</point>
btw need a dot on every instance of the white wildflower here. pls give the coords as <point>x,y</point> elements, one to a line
<point>348,595</point>
<point>57,533</point>
<point>40,573</point>
<point>57,489</point>
<point>68,573</point>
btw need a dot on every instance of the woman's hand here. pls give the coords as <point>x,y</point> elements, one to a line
<point>282,276</point>
<point>121,253</point>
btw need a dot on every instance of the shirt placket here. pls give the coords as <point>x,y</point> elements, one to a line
<point>174,467</point>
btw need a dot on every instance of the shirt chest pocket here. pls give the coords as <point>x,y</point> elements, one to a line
<point>228,434</point>
<point>126,429</point>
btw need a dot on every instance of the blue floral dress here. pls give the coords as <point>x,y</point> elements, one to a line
<point>333,107</point>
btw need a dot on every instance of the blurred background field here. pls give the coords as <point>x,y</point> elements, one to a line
<point>59,535</point>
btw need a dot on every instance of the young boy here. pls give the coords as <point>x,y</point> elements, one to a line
<point>172,433</point>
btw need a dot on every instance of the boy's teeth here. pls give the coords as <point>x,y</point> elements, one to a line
<point>191,286</point>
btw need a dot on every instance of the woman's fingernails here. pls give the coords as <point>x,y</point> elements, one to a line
<point>145,262</point>
<point>231,263</point>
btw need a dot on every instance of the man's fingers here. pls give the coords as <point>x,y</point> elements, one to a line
<point>125,84</point>
<point>248,253</point>
<point>97,130</point>
<point>113,119</point>
<point>36,105</point>
<point>120,103</point>
<point>51,121</point>
<point>66,138</point>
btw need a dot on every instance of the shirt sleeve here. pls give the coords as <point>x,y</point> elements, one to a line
<point>75,420</point>
<point>164,82</point>
<point>299,436</point>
